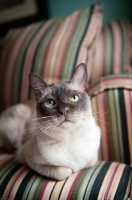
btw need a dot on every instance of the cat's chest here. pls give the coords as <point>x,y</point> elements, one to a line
<point>74,151</point>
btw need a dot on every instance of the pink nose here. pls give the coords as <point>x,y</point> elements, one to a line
<point>63,111</point>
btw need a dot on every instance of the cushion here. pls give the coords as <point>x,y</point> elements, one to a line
<point>114,50</point>
<point>111,98</point>
<point>51,49</point>
<point>105,180</point>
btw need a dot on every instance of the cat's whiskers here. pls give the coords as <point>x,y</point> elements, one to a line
<point>39,124</point>
<point>99,113</point>
<point>39,129</point>
<point>40,118</point>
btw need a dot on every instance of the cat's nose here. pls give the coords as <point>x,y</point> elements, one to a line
<point>64,111</point>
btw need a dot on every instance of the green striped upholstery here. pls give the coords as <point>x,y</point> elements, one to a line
<point>51,49</point>
<point>104,181</point>
<point>113,50</point>
<point>112,107</point>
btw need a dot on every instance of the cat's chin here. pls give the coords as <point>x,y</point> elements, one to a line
<point>66,124</point>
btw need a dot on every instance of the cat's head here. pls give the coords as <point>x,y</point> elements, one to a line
<point>66,104</point>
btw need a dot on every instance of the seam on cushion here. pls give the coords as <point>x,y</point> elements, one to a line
<point>110,82</point>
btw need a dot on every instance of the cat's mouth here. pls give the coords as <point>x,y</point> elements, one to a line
<point>66,121</point>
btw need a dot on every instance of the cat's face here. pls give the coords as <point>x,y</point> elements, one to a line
<point>64,104</point>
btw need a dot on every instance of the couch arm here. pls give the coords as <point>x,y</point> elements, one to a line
<point>105,180</point>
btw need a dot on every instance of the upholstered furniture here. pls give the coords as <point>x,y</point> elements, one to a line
<point>53,49</point>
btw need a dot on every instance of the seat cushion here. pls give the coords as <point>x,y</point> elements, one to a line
<point>105,180</point>
<point>52,49</point>
<point>111,98</point>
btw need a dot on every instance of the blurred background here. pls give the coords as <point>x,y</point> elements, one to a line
<point>17,13</point>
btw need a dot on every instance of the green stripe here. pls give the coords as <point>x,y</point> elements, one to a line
<point>108,50</point>
<point>34,187</point>
<point>6,169</point>
<point>25,186</point>
<point>78,184</point>
<point>8,176</point>
<point>118,125</point>
<point>74,44</point>
<point>101,173</point>
<point>124,126</point>
<point>40,52</point>
<point>20,62</point>
<point>39,187</point>
<point>95,172</point>
<point>123,190</point>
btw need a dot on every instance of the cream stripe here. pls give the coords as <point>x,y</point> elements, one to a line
<point>11,64</point>
<point>67,187</point>
<point>27,68</point>
<point>48,190</point>
<point>56,49</point>
<point>17,183</point>
<point>106,180</point>
<point>115,182</point>
<point>117,48</point>
<point>57,190</point>
<point>94,171</point>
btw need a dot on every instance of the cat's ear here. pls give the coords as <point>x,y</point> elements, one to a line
<point>38,85</point>
<point>80,77</point>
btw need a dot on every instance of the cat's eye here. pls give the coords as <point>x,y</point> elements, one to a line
<point>49,103</point>
<point>74,98</point>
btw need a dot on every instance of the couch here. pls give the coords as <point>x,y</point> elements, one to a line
<point>53,49</point>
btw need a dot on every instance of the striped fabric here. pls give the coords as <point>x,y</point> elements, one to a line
<point>104,181</point>
<point>112,107</point>
<point>113,50</point>
<point>51,49</point>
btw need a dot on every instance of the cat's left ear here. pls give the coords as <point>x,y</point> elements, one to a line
<point>80,77</point>
<point>38,85</point>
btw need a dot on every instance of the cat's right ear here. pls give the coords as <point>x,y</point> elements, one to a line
<point>38,85</point>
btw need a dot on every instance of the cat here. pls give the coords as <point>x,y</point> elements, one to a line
<point>58,135</point>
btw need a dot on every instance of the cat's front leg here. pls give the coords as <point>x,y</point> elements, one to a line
<point>55,172</point>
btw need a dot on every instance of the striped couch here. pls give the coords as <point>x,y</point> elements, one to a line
<point>53,49</point>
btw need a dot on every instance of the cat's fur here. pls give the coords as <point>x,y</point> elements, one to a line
<point>58,140</point>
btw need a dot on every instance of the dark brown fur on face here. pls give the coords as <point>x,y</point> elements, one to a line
<point>61,94</point>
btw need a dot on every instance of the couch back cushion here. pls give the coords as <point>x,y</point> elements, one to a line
<point>114,50</point>
<point>51,49</point>
<point>112,107</point>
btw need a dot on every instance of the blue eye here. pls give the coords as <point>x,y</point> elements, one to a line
<point>49,103</point>
<point>74,98</point>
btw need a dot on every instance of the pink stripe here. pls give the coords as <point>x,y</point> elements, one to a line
<point>49,50</point>
<point>110,182</point>
<point>103,120</point>
<point>48,189</point>
<point>43,190</point>
<point>12,182</point>
<point>29,58</point>
<point>109,83</point>
<point>117,48</point>
<point>128,55</point>
<point>99,58</point>
<point>95,21</point>
<point>63,48</point>
<point>5,158</point>
<point>74,184</point>
<point>11,65</point>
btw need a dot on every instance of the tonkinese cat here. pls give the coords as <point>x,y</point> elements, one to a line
<point>58,135</point>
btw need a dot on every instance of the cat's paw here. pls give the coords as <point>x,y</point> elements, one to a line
<point>62,173</point>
